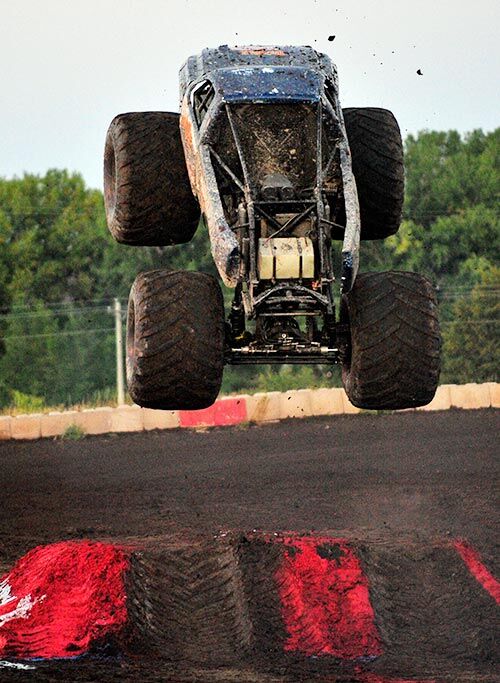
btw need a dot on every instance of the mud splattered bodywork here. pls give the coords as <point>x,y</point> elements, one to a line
<point>269,162</point>
<point>280,172</point>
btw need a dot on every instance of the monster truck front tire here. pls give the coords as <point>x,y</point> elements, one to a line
<point>378,166</point>
<point>392,359</point>
<point>147,194</point>
<point>175,340</point>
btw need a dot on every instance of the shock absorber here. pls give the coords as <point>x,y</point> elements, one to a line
<point>237,316</point>
<point>329,330</point>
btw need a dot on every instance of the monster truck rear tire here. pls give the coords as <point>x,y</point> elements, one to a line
<point>378,166</point>
<point>147,194</point>
<point>175,340</point>
<point>392,359</point>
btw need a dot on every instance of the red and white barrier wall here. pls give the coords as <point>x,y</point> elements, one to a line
<point>261,407</point>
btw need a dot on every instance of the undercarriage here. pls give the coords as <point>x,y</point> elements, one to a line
<point>280,178</point>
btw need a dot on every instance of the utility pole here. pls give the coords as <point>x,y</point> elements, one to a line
<point>120,385</point>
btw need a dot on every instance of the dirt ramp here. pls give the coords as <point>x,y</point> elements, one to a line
<point>270,606</point>
<point>433,615</point>
<point>187,603</point>
<point>315,606</point>
<point>63,600</point>
<point>309,603</point>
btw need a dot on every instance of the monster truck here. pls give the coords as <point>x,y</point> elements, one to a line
<point>264,157</point>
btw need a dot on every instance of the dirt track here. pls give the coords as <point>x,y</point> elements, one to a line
<point>399,487</point>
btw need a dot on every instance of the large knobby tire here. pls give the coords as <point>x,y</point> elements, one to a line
<point>378,166</point>
<point>175,340</point>
<point>147,194</point>
<point>392,359</point>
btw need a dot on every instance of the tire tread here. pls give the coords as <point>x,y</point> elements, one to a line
<point>176,362</point>
<point>148,201</point>
<point>395,341</point>
<point>378,166</point>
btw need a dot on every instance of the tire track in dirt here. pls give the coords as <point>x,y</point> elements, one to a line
<point>412,497</point>
<point>299,607</point>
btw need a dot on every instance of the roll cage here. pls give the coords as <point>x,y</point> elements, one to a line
<point>268,157</point>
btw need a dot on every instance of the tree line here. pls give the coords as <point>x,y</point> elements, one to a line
<point>60,270</point>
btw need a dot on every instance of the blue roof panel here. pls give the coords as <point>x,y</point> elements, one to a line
<point>268,84</point>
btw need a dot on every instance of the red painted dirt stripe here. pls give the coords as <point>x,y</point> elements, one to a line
<point>228,411</point>
<point>59,599</point>
<point>474,564</point>
<point>325,601</point>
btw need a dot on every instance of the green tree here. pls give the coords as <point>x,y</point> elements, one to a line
<point>28,364</point>
<point>451,209</point>
<point>59,271</point>
<point>471,349</point>
<point>53,229</point>
<point>446,174</point>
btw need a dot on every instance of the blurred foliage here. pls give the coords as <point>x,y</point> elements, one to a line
<point>60,269</point>
<point>27,403</point>
<point>471,336</point>
<point>285,377</point>
<point>73,433</point>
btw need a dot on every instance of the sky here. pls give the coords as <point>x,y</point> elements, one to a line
<point>69,66</point>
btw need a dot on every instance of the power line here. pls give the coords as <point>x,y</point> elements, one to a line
<point>483,321</point>
<point>60,304</point>
<point>57,312</point>
<point>58,334</point>
<point>108,301</point>
<point>467,295</point>
<point>467,287</point>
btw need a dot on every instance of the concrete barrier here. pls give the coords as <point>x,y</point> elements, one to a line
<point>264,407</point>
<point>231,410</point>
<point>127,419</point>
<point>5,432</point>
<point>494,394</point>
<point>296,404</point>
<point>94,421</point>
<point>470,396</point>
<point>226,411</point>
<point>26,426</point>
<point>55,424</point>
<point>441,400</point>
<point>160,419</point>
<point>327,401</point>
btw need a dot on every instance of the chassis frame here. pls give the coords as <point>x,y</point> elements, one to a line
<point>214,86</point>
